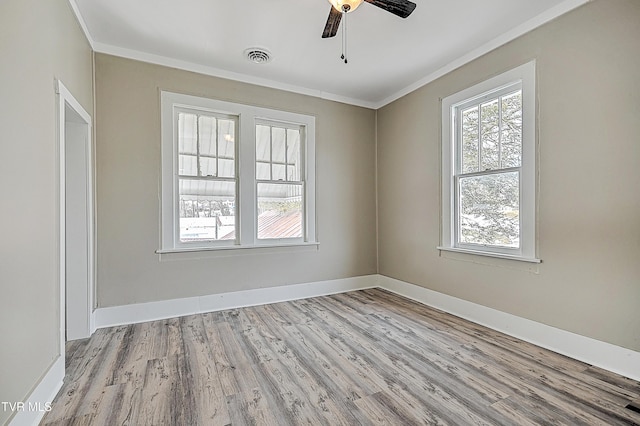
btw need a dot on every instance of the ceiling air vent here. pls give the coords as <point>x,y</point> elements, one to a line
<point>258,55</point>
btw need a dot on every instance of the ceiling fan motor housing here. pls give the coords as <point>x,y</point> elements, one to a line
<point>345,6</point>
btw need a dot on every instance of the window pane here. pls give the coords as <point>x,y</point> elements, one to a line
<point>226,168</point>
<point>187,133</point>
<point>187,145</point>
<point>226,148</point>
<point>263,171</point>
<point>207,136</point>
<point>293,155</point>
<point>263,143</point>
<point>279,211</point>
<point>278,144</point>
<point>512,130</point>
<point>278,172</point>
<point>263,152</point>
<point>490,135</point>
<point>489,210</point>
<point>187,165</point>
<point>207,210</point>
<point>293,173</point>
<point>207,166</point>
<point>470,140</point>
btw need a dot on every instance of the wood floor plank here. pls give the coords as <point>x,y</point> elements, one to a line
<point>279,381</point>
<point>523,415</point>
<point>368,357</point>
<point>111,410</point>
<point>321,360</point>
<point>376,413</point>
<point>330,393</point>
<point>379,362</point>
<point>256,397</point>
<point>224,367</point>
<point>296,376</point>
<point>199,376</point>
<point>161,384</point>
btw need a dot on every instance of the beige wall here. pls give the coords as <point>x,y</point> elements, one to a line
<point>589,163</point>
<point>128,186</point>
<point>39,41</point>
<point>588,68</point>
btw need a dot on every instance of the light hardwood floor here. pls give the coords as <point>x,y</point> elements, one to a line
<point>365,357</point>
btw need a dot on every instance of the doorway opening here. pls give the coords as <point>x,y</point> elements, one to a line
<point>77,265</point>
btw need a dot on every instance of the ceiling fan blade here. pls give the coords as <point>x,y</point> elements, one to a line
<point>401,8</point>
<point>333,22</point>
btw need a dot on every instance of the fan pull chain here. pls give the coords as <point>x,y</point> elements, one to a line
<point>344,36</point>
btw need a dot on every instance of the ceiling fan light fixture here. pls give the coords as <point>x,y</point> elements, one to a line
<point>351,5</point>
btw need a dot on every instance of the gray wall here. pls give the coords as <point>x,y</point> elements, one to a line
<point>128,185</point>
<point>588,66</point>
<point>39,41</point>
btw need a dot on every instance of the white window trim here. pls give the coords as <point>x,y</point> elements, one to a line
<point>246,221</point>
<point>525,74</point>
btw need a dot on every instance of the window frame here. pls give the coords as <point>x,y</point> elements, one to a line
<point>177,109</point>
<point>245,172</point>
<point>522,77</point>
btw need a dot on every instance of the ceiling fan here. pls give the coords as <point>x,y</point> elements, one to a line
<point>401,8</point>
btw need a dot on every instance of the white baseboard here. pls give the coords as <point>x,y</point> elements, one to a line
<point>35,407</point>
<point>151,311</point>
<point>605,355</point>
<point>595,352</point>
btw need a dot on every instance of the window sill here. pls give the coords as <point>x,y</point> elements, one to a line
<point>491,254</point>
<point>199,252</point>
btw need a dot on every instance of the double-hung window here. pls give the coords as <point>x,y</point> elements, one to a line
<point>488,167</point>
<point>235,175</point>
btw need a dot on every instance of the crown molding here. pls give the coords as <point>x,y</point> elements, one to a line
<point>229,75</point>
<point>539,20</point>
<point>83,24</point>
<point>531,24</point>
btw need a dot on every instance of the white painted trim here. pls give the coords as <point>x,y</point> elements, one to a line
<point>66,98</point>
<point>601,354</point>
<point>245,117</point>
<point>229,75</point>
<point>490,254</point>
<point>81,21</point>
<point>151,311</point>
<point>44,393</point>
<point>250,249</point>
<point>531,24</point>
<point>524,78</point>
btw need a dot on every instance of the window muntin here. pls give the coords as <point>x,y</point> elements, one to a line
<point>488,167</point>
<point>216,182</point>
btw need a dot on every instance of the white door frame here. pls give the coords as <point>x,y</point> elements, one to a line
<point>86,325</point>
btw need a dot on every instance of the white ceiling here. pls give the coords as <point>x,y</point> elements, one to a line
<point>388,56</point>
